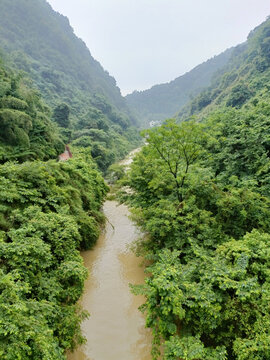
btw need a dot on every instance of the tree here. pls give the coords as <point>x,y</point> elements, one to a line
<point>179,147</point>
<point>61,115</point>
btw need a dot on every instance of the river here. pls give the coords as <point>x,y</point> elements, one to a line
<point>115,329</point>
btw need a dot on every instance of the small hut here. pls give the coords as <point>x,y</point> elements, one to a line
<point>66,154</point>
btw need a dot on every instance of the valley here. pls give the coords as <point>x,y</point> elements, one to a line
<point>188,197</point>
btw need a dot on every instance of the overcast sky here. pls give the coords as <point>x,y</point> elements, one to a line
<point>145,42</point>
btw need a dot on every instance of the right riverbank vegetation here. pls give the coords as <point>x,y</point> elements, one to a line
<point>201,194</point>
<point>205,211</point>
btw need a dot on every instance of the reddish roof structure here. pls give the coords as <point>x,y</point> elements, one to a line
<point>66,155</point>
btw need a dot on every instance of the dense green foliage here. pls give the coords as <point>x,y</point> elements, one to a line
<point>26,131</point>
<point>49,211</point>
<point>61,115</point>
<point>108,143</point>
<point>41,42</point>
<point>201,194</point>
<point>165,100</point>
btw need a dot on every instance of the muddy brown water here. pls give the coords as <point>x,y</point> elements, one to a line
<point>115,329</point>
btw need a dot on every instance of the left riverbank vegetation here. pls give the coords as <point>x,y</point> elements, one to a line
<point>201,193</point>
<point>49,211</point>
<point>50,95</point>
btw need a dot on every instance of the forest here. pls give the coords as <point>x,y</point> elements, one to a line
<point>83,97</point>
<point>199,191</point>
<point>201,194</point>
<point>49,211</point>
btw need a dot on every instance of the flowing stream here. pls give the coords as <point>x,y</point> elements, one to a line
<point>115,329</point>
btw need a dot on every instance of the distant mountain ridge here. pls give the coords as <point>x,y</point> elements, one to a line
<point>238,77</point>
<point>165,100</point>
<point>244,80</point>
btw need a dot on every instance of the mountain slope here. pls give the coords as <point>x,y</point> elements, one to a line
<point>201,192</point>
<point>51,51</point>
<point>41,42</point>
<point>244,79</point>
<point>163,101</point>
<point>26,131</point>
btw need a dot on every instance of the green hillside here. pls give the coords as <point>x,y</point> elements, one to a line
<point>244,79</point>
<point>43,43</point>
<point>40,42</point>
<point>201,193</point>
<point>26,129</point>
<point>49,210</point>
<point>165,100</point>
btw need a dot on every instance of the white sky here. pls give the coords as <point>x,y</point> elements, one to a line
<point>145,42</point>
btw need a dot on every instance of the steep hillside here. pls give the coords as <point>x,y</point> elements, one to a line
<point>41,42</point>
<point>201,192</point>
<point>49,210</point>
<point>165,100</point>
<point>26,131</point>
<point>244,79</point>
